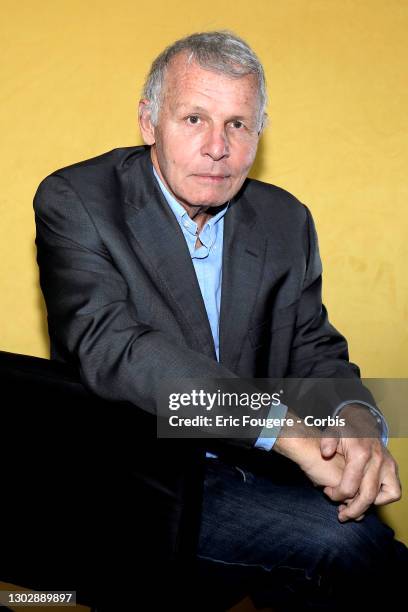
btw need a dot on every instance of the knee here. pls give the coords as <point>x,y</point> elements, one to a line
<point>357,548</point>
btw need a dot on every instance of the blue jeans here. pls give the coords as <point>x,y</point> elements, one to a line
<point>267,532</point>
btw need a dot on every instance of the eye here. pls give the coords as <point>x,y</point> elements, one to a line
<point>193,119</point>
<point>237,124</point>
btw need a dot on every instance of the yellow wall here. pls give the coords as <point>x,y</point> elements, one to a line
<point>71,72</point>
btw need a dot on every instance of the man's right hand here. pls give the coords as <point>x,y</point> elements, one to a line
<point>299,445</point>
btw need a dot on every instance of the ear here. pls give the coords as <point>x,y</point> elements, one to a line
<point>145,124</point>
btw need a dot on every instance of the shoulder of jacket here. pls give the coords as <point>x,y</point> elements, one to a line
<point>102,163</point>
<point>271,199</point>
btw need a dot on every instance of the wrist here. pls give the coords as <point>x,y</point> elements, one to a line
<point>361,420</point>
<point>291,441</point>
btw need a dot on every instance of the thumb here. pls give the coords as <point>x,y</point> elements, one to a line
<point>328,447</point>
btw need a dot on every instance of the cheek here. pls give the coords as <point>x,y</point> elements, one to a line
<point>179,152</point>
<point>245,158</point>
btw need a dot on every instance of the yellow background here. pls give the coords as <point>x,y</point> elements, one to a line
<point>71,73</point>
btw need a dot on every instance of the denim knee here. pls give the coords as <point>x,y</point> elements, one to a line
<point>357,548</point>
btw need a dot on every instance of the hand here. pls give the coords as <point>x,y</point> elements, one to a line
<point>370,474</point>
<point>302,445</point>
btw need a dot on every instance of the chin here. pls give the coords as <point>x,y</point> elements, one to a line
<point>211,199</point>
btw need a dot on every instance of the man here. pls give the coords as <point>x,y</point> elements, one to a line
<point>165,261</point>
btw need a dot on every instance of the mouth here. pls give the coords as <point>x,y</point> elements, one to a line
<point>212,178</point>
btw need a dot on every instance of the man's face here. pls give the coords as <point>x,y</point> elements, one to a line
<point>207,133</point>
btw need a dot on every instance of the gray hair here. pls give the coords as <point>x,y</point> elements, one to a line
<point>220,51</point>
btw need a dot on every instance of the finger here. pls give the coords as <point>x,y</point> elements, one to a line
<point>391,489</point>
<point>345,503</point>
<point>356,464</point>
<point>389,492</point>
<point>343,506</point>
<point>328,447</point>
<point>370,485</point>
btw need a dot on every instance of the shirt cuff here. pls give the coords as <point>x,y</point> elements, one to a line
<point>374,411</point>
<point>269,435</point>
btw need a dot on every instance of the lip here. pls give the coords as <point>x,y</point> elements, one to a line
<point>217,178</point>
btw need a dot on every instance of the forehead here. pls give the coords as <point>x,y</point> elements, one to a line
<point>186,82</point>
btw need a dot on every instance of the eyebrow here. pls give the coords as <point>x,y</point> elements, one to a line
<point>202,109</point>
<point>195,107</point>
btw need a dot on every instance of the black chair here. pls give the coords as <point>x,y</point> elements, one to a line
<point>92,501</point>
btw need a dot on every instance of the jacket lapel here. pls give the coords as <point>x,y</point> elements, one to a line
<point>243,262</point>
<point>156,232</point>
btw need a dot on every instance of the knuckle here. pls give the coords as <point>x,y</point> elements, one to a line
<point>348,491</point>
<point>378,454</point>
<point>396,496</point>
<point>362,455</point>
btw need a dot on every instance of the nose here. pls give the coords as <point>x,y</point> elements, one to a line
<point>215,143</point>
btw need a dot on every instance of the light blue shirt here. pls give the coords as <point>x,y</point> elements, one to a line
<point>207,259</point>
<point>207,262</point>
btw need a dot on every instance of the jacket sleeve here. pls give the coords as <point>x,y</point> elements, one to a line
<point>318,350</point>
<point>119,357</point>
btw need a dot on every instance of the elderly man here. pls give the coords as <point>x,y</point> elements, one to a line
<point>165,261</point>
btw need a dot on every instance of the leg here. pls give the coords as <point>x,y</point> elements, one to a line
<point>267,529</point>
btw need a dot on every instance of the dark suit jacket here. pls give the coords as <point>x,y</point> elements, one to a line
<point>123,300</point>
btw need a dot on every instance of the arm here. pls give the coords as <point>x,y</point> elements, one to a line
<point>370,474</point>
